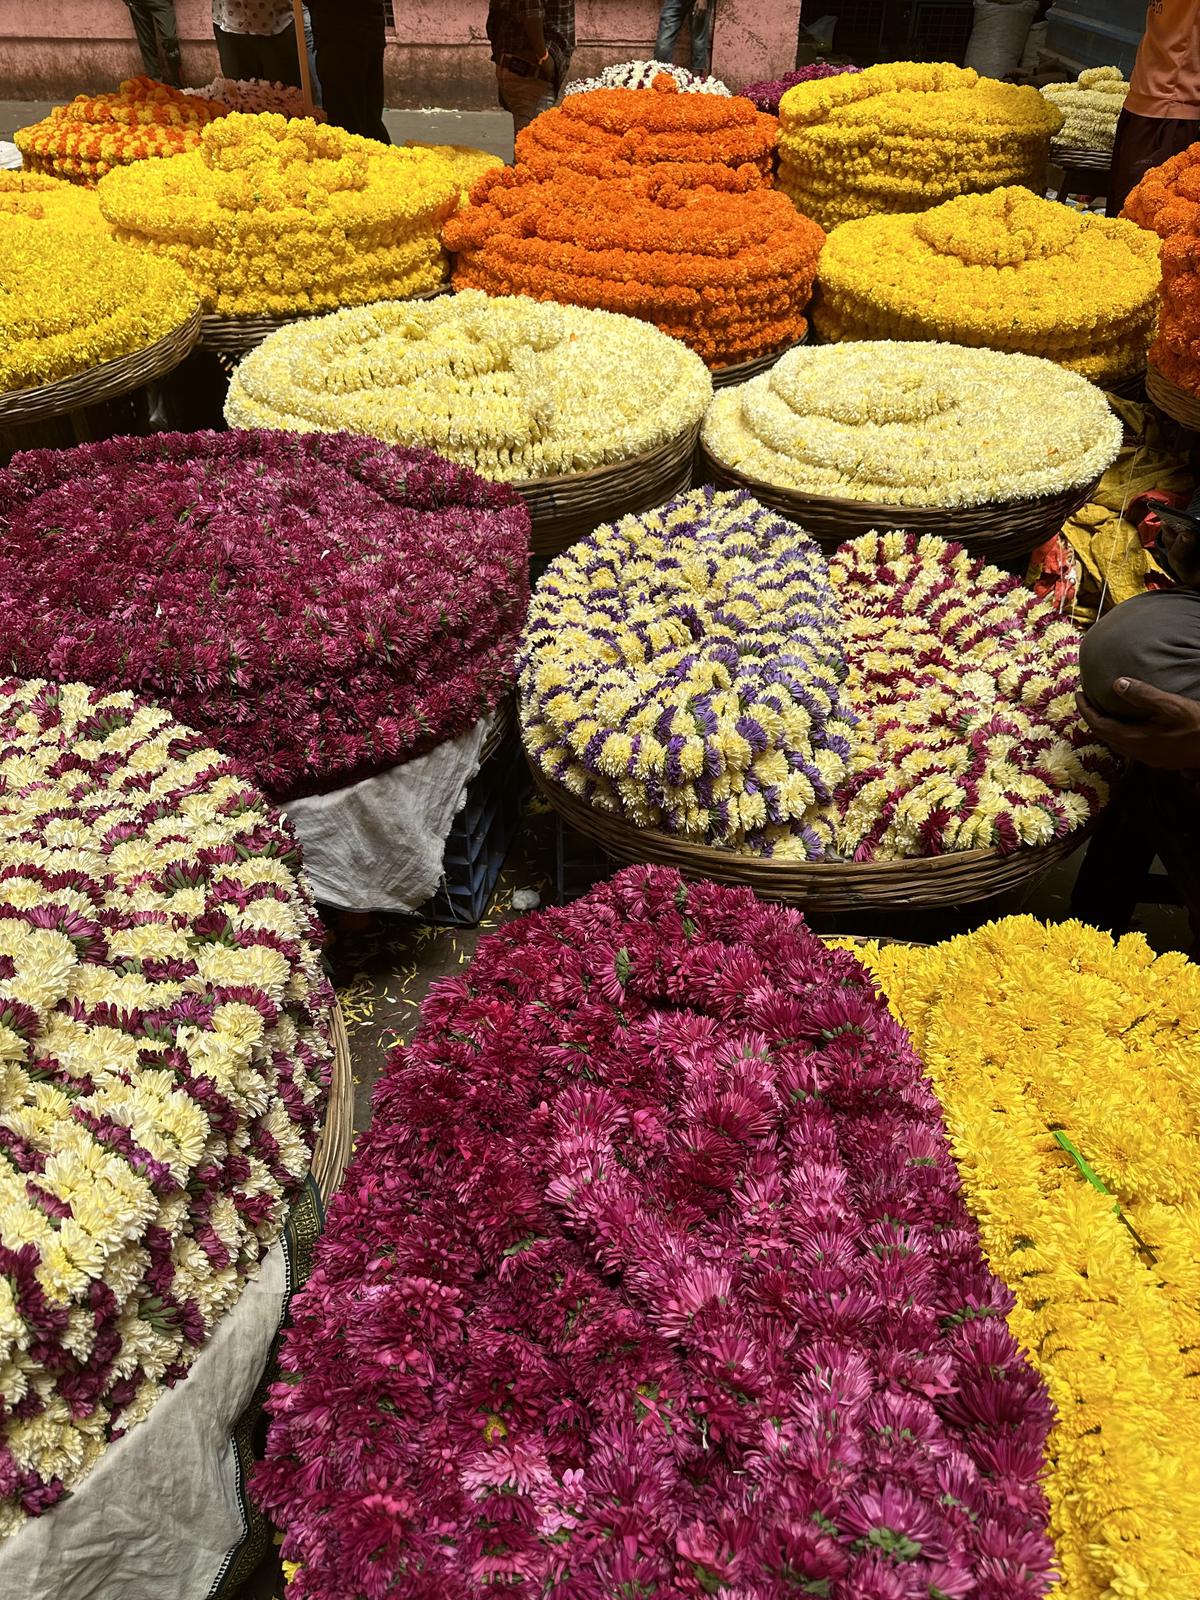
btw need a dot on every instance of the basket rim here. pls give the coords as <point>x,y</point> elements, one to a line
<point>571,480</point>
<point>742,371</point>
<point>222,330</point>
<point>1178,403</point>
<point>104,381</point>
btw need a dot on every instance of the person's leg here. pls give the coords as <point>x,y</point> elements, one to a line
<point>143,32</point>
<point>1142,143</point>
<point>277,57</point>
<point>312,57</point>
<point>523,97</point>
<point>350,38</point>
<point>163,14</point>
<point>371,31</point>
<point>670,20</point>
<point>702,37</point>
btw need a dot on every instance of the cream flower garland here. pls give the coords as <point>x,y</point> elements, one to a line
<point>162,1045</point>
<point>513,388</point>
<point>914,425</point>
<point>1090,108</point>
<point>1066,1068</point>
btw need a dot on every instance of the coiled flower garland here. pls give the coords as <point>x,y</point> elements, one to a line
<point>641,75</point>
<point>727,267</point>
<point>275,216</point>
<point>164,1037</point>
<point>914,425</point>
<point>905,136</point>
<point>36,197</point>
<point>1167,201</point>
<point>1066,1068</point>
<point>321,608</point>
<point>1006,270</point>
<point>516,390</point>
<point>697,669</point>
<point>74,298</point>
<point>1090,108</point>
<point>97,133</point>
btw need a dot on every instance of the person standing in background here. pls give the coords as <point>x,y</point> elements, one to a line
<point>671,19</point>
<point>532,42</point>
<point>257,39</point>
<point>350,36</point>
<point>154,26</point>
<point>1161,116</point>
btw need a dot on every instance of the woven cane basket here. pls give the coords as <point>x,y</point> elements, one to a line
<point>237,336</point>
<point>998,532</point>
<point>569,507</point>
<point>332,1150</point>
<point>100,383</point>
<point>823,888</point>
<point>1176,402</point>
<point>1074,158</point>
<point>743,371</point>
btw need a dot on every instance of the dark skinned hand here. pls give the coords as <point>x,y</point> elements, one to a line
<point>1163,730</point>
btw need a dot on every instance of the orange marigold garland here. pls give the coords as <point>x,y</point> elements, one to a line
<point>617,130</point>
<point>1167,202</point>
<point>95,133</point>
<point>727,267</point>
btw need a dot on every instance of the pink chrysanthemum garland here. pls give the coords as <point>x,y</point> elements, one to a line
<point>653,1276</point>
<point>322,607</point>
<point>163,1046</point>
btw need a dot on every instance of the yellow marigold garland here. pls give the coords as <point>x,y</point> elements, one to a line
<point>96,133</point>
<point>906,135</point>
<point>74,298</point>
<point>1066,1068</point>
<point>277,216</point>
<point>1006,270</point>
<point>36,197</point>
<point>465,162</point>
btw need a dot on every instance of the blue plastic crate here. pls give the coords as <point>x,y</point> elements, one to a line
<point>480,838</point>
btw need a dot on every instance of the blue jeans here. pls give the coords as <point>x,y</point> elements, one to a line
<point>671,19</point>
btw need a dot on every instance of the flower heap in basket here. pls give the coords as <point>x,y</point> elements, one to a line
<point>322,608</point>
<point>1167,202</point>
<point>36,197</point>
<point>73,298</point>
<point>164,1041</point>
<point>642,74</point>
<point>702,672</point>
<point>766,93</point>
<point>1007,270</point>
<point>914,425</point>
<point>97,133</point>
<point>660,216</point>
<point>905,136</point>
<point>257,94</point>
<point>653,1276</point>
<point>1065,1067</point>
<point>516,390</point>
<point>1090,108</point>
<point>275,217</point>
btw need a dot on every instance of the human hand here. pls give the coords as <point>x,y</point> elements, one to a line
<point>1164,730</point>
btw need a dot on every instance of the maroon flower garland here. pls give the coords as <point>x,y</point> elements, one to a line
<point>653,1277</point>
<point>322,607</point>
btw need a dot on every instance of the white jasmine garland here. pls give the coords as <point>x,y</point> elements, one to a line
<point>641,74</point>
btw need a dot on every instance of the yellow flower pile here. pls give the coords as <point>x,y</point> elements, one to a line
<point>1006,270</point>
<point>1090,108</point>
<point>72,298</point>
<point>271,216</point>
<point>1067,1071</point>
<point>514,388</point>
<point>465,162</point>
<point>915,425</point>
<point>36,197</point>
<point>906,135</point>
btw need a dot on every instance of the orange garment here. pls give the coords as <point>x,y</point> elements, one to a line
<point>1165,81</point>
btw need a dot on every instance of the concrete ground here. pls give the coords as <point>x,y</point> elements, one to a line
<point>486,130</point>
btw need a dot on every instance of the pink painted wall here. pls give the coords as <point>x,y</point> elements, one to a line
<point>438,56</point>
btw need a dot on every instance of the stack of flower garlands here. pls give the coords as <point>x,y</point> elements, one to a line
<point>1167,202</point>
<point>701,671</point>
<point>915,425</point>
<point>36,197</point>
<point>515,390</point>
<point>73,298</point>
<point>465,161</point>
<point>712,258</point>
<point>164,1037</point>
<point>277,217</point>
<point>257,94</point>
<point>1006,270</point>
<point>321,608</point>
<point>1066,1070</point>
<point>641,75</point>
<point>766,93</point>
<point>1090,108</point>
<point>97,133</point>
<point>653,1277</point>
<point>905,136</point>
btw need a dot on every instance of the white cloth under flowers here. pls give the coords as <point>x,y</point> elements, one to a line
<point>915,424</point>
